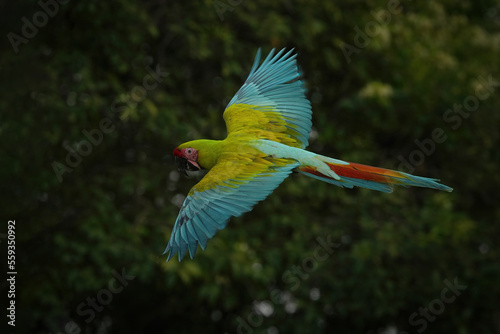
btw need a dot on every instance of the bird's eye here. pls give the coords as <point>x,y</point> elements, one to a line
<point>189,151</point>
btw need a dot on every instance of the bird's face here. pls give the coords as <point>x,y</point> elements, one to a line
<point>186,160</point>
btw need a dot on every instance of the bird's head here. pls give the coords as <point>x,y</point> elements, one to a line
<point>186,159</point>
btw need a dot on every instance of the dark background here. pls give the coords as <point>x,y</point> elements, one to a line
<point>89,241</point>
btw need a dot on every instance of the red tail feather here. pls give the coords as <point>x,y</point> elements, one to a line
<point>353,174</point>
<point>364,172</point>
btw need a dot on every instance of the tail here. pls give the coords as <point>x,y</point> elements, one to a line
<point>375,178</point>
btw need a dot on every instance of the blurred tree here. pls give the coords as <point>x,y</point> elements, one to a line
<point>96,94</point>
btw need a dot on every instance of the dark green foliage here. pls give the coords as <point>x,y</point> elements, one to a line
<point>115,210</point>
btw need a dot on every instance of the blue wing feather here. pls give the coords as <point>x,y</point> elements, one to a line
<point>275,86</point>
<point>204,213</point>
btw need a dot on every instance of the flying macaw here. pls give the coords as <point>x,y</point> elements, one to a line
<point>268,124</point>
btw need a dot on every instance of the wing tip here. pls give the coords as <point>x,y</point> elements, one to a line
<point>172,250</point>
<point>256,61</point>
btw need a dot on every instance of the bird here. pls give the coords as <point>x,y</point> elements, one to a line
<point>268,124</point>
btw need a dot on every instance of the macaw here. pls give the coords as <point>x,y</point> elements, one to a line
<point>268,124</point>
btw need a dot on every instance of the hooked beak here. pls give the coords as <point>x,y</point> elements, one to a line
<point>184,165</point>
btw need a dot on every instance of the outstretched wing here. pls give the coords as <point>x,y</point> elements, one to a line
<point>231,188</point>
<point>272,104</point>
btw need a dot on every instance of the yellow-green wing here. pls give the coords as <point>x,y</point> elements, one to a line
<point>272,104</point>
<point>232,187</point>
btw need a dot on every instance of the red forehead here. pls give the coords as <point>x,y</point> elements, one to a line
<point>177,152</point>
